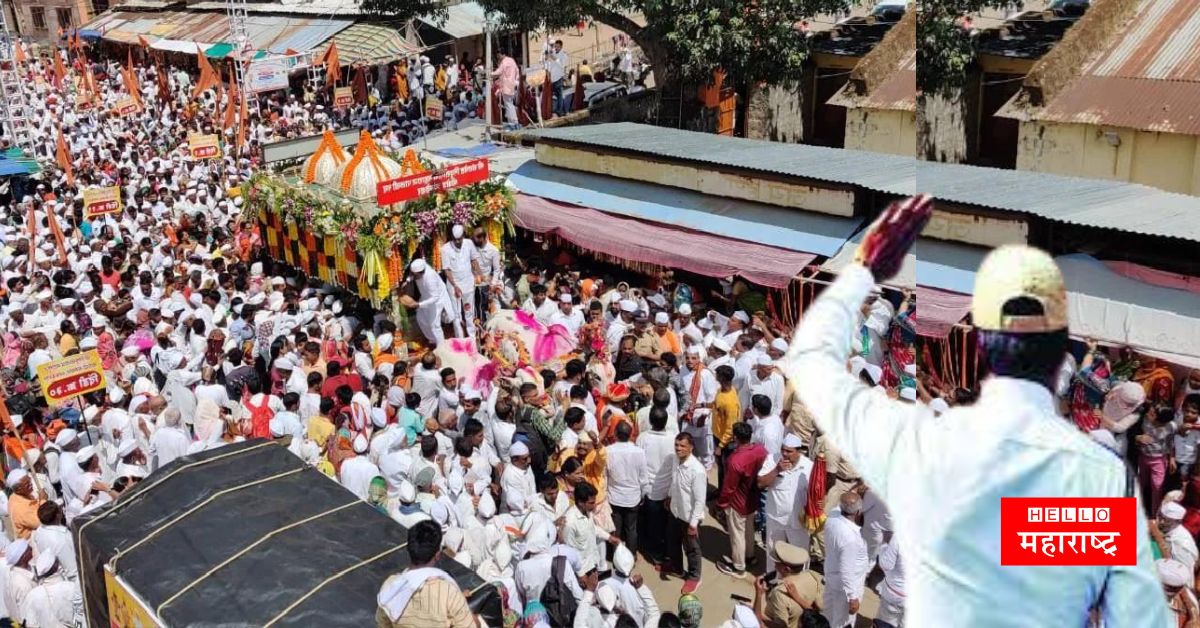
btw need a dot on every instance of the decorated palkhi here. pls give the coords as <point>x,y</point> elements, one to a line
<point>323,167</point>
<point>332,197</point>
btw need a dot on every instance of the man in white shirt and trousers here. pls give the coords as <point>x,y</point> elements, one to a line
<point>846,563</point>
<point>460,261</point>
<point>435,304</point>
<point>1011,443</point>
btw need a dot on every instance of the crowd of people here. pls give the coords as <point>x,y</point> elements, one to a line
<point>567,487</point>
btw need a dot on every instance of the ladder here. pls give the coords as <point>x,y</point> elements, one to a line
<point>13,105</point>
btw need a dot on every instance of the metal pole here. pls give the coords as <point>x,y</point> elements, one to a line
<point>487,29</point>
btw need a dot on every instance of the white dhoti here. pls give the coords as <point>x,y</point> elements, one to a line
<point>464,309</point>
<point>702,440</point>
<point>836,607</point>
<point>429,319</point>
<point>779,532</point>
<point>891,605</point>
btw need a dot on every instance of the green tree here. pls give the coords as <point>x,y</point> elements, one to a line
<point>752,40</point>
<point>944,48</point>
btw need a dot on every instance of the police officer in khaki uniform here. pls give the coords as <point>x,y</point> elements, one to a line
<point>795,589</point>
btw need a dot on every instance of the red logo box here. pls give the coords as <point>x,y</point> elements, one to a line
<point>1068,531</point>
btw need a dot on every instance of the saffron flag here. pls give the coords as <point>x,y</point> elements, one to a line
<point>142,42</point>
<point>208,77</point>
<point>31,220</point>
<point>59,241</point>
<point>60,73</point>
<point>19,52</point>
<point>231,107</point>
<point>130,79</point>
<point>333,64</point>
<point>63,157</point>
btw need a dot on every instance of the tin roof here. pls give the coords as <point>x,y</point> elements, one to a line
<point>892,174</point>
<point>1128,207</point>
<point>1147,76</point>
<point>371,44</point>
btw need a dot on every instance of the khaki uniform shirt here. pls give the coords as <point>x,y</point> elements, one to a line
<point>782,608</point>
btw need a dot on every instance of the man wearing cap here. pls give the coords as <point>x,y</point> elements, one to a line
<point>567,315</point>
<point>795,588</point>
<point>765,380</point>
<point>51,602</point>
<point>20,580</point>
<point>1174,540</point>
<point>635,597</point>
<point>433,304</point>
<point>702,389</point>
<point>517,483</point>
<point>23,503</point>
<point>620,325</point>
<point>1011,443</point>
<point>460,264</point>
<point>785,482</point>
<point>1176,582</point>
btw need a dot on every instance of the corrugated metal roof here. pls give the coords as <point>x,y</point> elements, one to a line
<point>892,174</point>
<point>1147,76</point>
<point>463,20</point>
<point>309,36</point>
<point>1116,205</point>
<point>324,8</point>
<point>369,43</point>
<point>107,20</point>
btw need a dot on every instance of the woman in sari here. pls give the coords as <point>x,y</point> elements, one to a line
<point>1158,381</point>
<point>1092,383</point>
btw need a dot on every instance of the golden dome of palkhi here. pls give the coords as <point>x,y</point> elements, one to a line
<point>324,165</point>
<point>368,166</point>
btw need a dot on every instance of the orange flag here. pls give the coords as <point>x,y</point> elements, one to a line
<point>59,241</point>
<point>231,108</point>
<point>60,73</point>
<point>19,52</point>
<point>32,221</point>
<point>208,77</point>
<point>333,64</point>
<point>130,79</point>
<point>142,42</point>
<point>64,158</point>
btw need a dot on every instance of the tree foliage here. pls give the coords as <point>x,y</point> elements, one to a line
<point>752,40</point>
<point>944,49</point>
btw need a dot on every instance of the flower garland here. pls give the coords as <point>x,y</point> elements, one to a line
<point>488,203</point>
<point>497,352</point>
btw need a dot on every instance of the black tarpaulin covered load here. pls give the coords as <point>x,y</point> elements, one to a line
<point>248,535</point>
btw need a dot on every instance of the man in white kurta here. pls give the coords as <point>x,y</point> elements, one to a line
<point>460,262</point>
<point>784,481</point>
<point>517,482</point>
<point>357,472</point>
<point>435,302</point>
<point>53,602</point>
<point>846,563</point>
<point>703,394</point>
<point>170,441</point>
<point>1011,443</point>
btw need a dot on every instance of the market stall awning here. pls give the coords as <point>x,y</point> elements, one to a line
<point>642,241</point>
<point>371,44</point>
<point>178,45</point>
<point>1159,321</point>
<point>734,219</point>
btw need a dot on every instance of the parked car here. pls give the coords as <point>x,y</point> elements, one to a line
<point>596,93</point>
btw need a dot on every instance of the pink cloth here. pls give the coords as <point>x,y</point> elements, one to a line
<point>659,244</point>
<point>552,341</point>
<point>939,311</point>
<point>509,76</point>
<point>1155,276</point>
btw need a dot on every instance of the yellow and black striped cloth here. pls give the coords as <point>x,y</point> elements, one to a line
<point>316,256</point>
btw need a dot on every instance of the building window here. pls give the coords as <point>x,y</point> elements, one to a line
<point>38,16</point>
<point>99,6</point>
<point>65,21</point>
